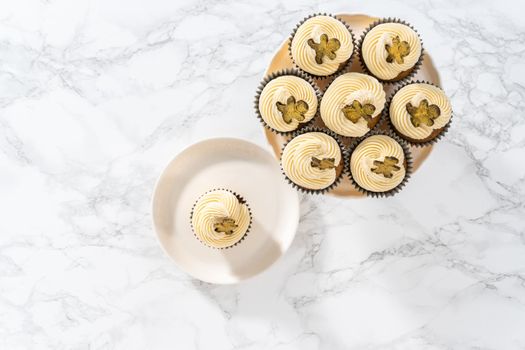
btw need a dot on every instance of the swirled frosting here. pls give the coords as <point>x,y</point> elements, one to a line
<point>313,28</point>
<point>279,90</point>
<point>342,92</point>
<point>214,206</point>
<point>375,55</point>
<point>414,94</point>
<point>376,148</point>
<point>297,160</point>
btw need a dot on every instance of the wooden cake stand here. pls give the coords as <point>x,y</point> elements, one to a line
<point>358,23</point>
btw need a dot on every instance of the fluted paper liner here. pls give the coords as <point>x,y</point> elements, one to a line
<point>413,70</point>
<point>380,117</point>
<point>343,65</point>
<point>408,165</point>
<point>343,160</point>
<point>277,74</point>
<point>431,140</point>
<point>241,199</point>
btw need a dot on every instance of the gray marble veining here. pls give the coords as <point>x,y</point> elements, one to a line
<point>96,97</point>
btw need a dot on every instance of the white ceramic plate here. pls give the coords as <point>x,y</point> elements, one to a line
<point>246,169</point>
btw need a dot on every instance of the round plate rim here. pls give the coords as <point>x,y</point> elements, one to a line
<point>154,199</point>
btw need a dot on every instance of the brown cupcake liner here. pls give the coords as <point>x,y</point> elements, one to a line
<point>343,160</point>
<point>377,126</point>
<point>412,142</point>
<point>408,169</point>
<point>277,74</point>
<point>241,200</point>
<point>416,67</point>
<point>342,67</point>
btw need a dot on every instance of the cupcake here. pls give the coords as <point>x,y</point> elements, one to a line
<point>391,50</point>
<point>379,165</point>
<point>287,101</point>
<point>352,104</point>
<point>420,113</point>
<point>321,45</point>
<point>220,219</point>
<point>313,161</point>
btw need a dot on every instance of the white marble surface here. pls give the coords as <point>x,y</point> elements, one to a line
<point>96,97</point>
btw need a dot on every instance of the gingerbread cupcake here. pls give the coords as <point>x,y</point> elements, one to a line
<point>352,104</point>
<point>321,45</point>
<point>420,113</point>
<point>313,161</point>
<point>220,219</point>
<point>391,50</point>
<point>379,165</point>
<point>287,101</point>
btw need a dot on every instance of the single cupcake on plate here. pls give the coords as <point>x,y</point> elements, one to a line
<point>391,50</point>
<point>420,113</point>
<point>352,104</point>
<point>313,161</point>
<point>220,218</point>
<point>287,101</point>
<point>379,165</point>
<point>321,45</point>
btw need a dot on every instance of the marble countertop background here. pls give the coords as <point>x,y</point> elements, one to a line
<point>97,96</point>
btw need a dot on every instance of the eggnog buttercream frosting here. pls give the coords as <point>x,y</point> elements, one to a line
<point>352,103</point>
<point>390,49</point>
<point>321,45</point>
<point>418,109</point>
<point>312,160</point>
<point>377,164</point>
<point>286,102</point>
<point>220,219</point>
